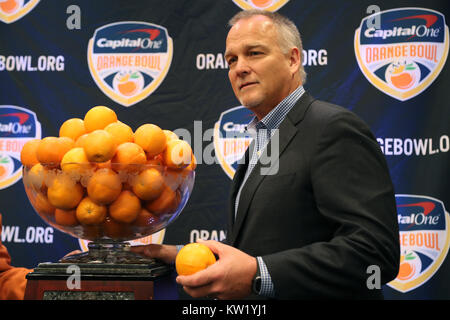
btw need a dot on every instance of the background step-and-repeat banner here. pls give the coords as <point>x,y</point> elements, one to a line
<point>161,62</point>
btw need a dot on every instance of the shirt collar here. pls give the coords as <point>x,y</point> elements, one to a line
<point>273,119</point>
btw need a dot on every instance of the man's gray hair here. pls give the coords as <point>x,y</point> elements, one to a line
<point>289,36</point>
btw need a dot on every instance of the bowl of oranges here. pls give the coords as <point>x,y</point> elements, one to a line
<point>101,181</point>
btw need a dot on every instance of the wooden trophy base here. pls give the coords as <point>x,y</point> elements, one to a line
<point>85,281</point>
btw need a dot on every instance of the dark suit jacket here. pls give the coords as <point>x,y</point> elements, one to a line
<point>327,214</point>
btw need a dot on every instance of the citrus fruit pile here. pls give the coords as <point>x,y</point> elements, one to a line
<point>192,258</point>
<point>100,179</point>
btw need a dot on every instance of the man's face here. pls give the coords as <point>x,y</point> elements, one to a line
<point>260,74</point>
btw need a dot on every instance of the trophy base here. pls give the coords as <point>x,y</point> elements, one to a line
<point>106,272</point>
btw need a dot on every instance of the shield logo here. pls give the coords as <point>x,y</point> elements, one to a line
<point>13,10</point>
<point>424,239</point>
<point>269,5</point>
<point>17,126</point>
<point>129,60</point>
<point>402,51</point>
<point>230,138</point>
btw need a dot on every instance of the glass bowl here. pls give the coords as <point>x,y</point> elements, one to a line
<point>108,203</point>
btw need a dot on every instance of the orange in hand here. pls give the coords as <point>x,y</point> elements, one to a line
<point>192,258</point>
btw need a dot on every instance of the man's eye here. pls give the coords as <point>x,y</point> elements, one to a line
<point>231,60</point>
<point>255,53</point>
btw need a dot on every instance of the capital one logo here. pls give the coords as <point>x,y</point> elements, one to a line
<point>405,53</point>
<point>129,60</point>
<point>18,125</point>
<point>424,239</point>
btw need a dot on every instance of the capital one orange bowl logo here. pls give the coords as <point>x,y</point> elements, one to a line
<point>230,138</point>
<point>17,126</point>
<point>405,52</point>
<point>13,10</point>
<point>424,239</point>
<point>129,60</point>
<point>269,5</point>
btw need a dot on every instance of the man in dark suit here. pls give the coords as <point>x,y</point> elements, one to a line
<point>310,222</point>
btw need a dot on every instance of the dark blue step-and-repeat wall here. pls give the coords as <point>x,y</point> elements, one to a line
<point>385,62</point>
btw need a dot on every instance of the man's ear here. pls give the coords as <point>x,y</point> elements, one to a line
<point>295,59</point>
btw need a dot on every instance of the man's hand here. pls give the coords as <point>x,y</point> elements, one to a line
<point>163,252</point>
<point>229,278</point>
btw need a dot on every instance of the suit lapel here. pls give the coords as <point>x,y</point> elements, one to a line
<point>287,131</point>
<point>235,184</point>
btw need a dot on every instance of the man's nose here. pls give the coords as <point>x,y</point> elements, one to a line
<point>242,67</point>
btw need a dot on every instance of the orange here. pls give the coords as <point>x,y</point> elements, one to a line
<point>126,207</point>
<point>129,156</point>
<point>173,178</point>
<point>2,171</point>
<point>261,3</point>
<point>28,155</point>
<point>9,6</point>
<point>192,258</point>
<point>178,154</point>
<point>170,135</point>
<point>99,146</point>
<point>128,88</point>
<point>72,128</point>
<point>193,165</point>
<point>76,163</point>
<point>80,141</point>
<point>36,176</point>
<point>116,230</point>
<point>90,213</point>
<point>66,218</point>
<point>64,193</point>
<point>402,81</point>
<point>51,150</point>
<point>165,203</point>
<point>104,186</point>
<point>120,132</point>
<point>151,138</point>
<point>98,118</point>
<point>149,184</point>
<point>406,271</point>
<point>146,218</point>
